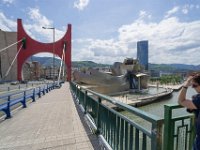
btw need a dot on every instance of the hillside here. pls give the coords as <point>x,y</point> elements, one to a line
<point>80,64</point>
<point>174,67</point>
<point>48,61</point>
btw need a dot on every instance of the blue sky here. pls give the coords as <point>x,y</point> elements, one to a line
<point>106,31</point>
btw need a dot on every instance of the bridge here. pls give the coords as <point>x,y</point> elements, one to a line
<point>52,122</point>
<point>76,118</point>
<point>72,117</point>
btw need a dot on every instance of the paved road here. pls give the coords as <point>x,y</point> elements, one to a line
<point>52,122</point>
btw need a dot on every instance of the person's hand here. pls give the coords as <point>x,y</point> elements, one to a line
<point>188,81</point>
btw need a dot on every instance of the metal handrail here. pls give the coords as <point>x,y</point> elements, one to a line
<point>21,96</point>
<point>124,124</point>
<point>138,112</point>
<point>171,135</point>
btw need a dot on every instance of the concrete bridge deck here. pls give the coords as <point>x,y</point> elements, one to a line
<point>52,122</point>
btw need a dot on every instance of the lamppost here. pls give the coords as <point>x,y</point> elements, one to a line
<point>52,28</point>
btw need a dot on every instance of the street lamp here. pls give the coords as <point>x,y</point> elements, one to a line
<point>52,28</point>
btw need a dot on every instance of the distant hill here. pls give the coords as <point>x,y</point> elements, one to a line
<point>48,61</point>
<point>79,64</point>
<point>163,67</point>
<point>174,67</point>
<point>45,61</point>
<point>187,67</point>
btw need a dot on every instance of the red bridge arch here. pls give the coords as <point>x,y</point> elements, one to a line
<point>34,47</point>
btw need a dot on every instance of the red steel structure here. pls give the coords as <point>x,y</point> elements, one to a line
<point>33,47</point>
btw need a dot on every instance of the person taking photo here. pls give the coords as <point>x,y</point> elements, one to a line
<point>192,105</point>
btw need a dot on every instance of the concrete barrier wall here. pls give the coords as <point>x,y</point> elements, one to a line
<point>7,56</point>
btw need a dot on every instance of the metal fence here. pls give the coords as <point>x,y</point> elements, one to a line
<point>178,131</point>
<point>120,132</point>
<point>9,99</point>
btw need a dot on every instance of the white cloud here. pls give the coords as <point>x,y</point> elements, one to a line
<point>170,41</point>
<point>35,15</point>
<point>8,1</point>
<point>7,24</point>
<point>34,28</point>
<point>172,11</point>
<point>81,4</point>
<point>143,14</point>
<point>185,9</point>
<point>102,51</point>
<point>188,7</point>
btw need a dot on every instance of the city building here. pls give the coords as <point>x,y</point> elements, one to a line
<point>7,56</point>
<point>31,71</point>
<point>142,53</point>
<point>50,72</point>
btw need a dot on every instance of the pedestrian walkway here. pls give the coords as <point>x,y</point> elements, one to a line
<point>52,122</point>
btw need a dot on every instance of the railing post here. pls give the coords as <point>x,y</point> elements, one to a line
<point>192,134</point>
<point>98,117</point>
<point>24,100</point>
<point>33,95</point>
<point>76,91</point>
<point>7,111</point>
<point>50,87</point>
<point>168,129</point>
<point>47,87</point>
<point>43,90</point>
<point>39,94</point>
<point>85,102</point>
<point>79,96</point>
<point>53,85</point>
<point>156,135</point>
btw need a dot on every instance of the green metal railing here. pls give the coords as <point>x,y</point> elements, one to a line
<point>179,131</point>
<point>120,132</point>
<point>123,133</point>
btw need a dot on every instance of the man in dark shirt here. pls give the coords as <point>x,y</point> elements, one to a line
<point>192,105</point>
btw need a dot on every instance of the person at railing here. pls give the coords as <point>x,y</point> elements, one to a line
<point>192,105</point>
